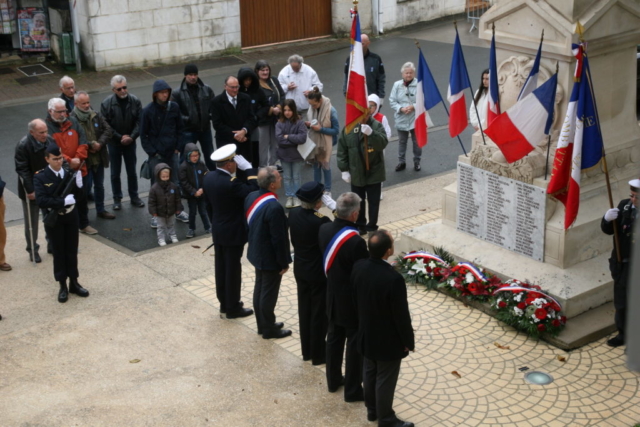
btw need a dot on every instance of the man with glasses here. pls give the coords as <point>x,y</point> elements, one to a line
<point>233,118</point>
<point>623,218</point>
<point>70,137</point>
<point>122,111</point>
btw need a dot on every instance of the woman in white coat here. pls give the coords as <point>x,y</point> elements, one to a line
<point>480,99</point>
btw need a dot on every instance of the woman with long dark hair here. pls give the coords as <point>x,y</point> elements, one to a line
<point>480,101</point>
<point>250,85</point>
<point>271,88</point>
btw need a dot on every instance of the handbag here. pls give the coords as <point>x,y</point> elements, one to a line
<point>145,170</point>
<point>308,149</point>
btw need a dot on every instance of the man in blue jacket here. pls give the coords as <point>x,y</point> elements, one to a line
<point>268,251</point>
<point>160,133</point>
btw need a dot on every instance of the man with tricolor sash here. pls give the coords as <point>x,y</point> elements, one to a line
<point>342,246</point>
<point>269,251</point>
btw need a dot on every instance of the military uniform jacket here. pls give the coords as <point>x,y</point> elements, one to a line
<point>341,307</point>
<point>46,183</point>
<point>225,204</point>
<point>625,223</point>
<point>304,225</point>
<point>269,247</point>
<point>384,321</point>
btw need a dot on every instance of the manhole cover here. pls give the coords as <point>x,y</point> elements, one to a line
<point>34,70</point>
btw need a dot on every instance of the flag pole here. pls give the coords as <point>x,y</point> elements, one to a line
<point>546,166</point>
<point>444,104</point>
<point>455,24</point>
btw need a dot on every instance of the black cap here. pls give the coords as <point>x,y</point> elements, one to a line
<point>190,69</point>
<point>53,149</point>
<point>310,192</point>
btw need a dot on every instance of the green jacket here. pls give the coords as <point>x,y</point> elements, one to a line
<point>351,154</point>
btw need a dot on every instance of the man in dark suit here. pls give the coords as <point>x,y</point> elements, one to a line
<point>268,250</point>
<point>233,118</point>
<point>342,247</point>
<point>385,335</point>
<point>304,225</point>
<point>50,184</point>
<point>225,193</point>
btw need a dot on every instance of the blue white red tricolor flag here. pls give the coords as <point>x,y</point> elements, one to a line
<point>520,129</point>
<point>494,95</point>
<point>357,105</point>
<point>427,97</point>
<point>580,145</point>
<point>458,82</point>
<point>532,81</point>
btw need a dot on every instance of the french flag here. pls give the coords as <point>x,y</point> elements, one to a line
<point>580,145</point>
<point>458,82</point>
<point>532,81</point>
<point>427,97</point>
<point>519,130</point>
<point>357,105</point>
<point>494,96</point>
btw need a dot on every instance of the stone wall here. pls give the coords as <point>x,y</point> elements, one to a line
<point>398,13</point>
<point>121,33</point>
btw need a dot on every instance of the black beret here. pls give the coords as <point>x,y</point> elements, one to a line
<point>310,192</point>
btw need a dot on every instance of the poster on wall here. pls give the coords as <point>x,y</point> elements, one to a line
<point>34,34</point>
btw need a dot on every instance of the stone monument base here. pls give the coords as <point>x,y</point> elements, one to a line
<point>584,290</point>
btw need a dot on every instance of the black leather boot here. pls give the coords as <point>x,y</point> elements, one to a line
<point>63,295</point>
<point>75,288</point>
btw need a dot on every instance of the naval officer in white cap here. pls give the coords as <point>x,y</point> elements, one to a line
<point>623,217</point>
<point>225,189</point>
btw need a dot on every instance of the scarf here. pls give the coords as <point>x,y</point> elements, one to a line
<point>85,119</point>
<point>323,142</point>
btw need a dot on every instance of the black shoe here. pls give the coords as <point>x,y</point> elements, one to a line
<point>138,203</point>
<point>37,257</point>
<point>362,231</point>
<point>401,166</point>
<point>63,295</point>
<point>616,341</point>
<point>278,333</point>
<point>372,416</point>
<point>417,167</point>
<point>277,325</point>
<point>242,312</point>
<point>75,288</point>
<point>358,397</point>
<point>224,310</point>
<point>117,204</point>
<point>106,215</point>
<point>401,423</point>
<point>335,388</point>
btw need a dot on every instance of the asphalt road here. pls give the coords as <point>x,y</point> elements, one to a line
<point>439,155</point>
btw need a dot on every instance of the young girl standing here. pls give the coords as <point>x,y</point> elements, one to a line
<point>290,132</point>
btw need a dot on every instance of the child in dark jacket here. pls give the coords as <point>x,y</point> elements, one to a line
<point>191,174</point>
<point>290,132</point>
<point>164,203</point>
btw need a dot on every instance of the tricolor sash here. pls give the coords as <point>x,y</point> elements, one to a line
<point>336,243</point>
<point>258,204</point>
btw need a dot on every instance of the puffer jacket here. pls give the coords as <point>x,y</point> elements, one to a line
<point>192,121</point>
<point>103,134</point>
<point>404,96</point>
<point>191,174</point>
<point>71,139</point>
<point>164,196</point>
<point>351,154</point>
<point>160,126</point>
<point>29,159</point>
<point>125,122</point>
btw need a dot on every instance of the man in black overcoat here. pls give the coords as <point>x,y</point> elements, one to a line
<point>385,335</point>
<point>225,192</point>
<point>623,217</point>
<point>342,247</point>
<point>233,118</point>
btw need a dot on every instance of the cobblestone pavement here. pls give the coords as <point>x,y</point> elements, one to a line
<point>592,387</point>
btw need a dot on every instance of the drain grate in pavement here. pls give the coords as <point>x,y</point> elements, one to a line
<point>27,80</point>
<point>6,70</point>
<point>207,64</point>
<point>34,70</point>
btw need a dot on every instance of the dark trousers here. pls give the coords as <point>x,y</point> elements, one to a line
<point>620,274</point>
<point>64,242</point>
<point>198,204</point>
<point>228,268</point>
<point>117,152</point>
<point>380,378</point>
<point>95,178</point>
<point>265,297</point>
<point>30,207</point>
<point>312,301</point>
<point>205,138</point>
<point>370,193</point>
<point>336,337</point>
<point>82,204</point>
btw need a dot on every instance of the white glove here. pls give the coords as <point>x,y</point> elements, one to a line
<point>329,202</point>
<point>242,163</point>
<point>366,129</point>
<point>611,214</point>
<point>69,200</point>
<point>346,177</point>
<point>79,179</point>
